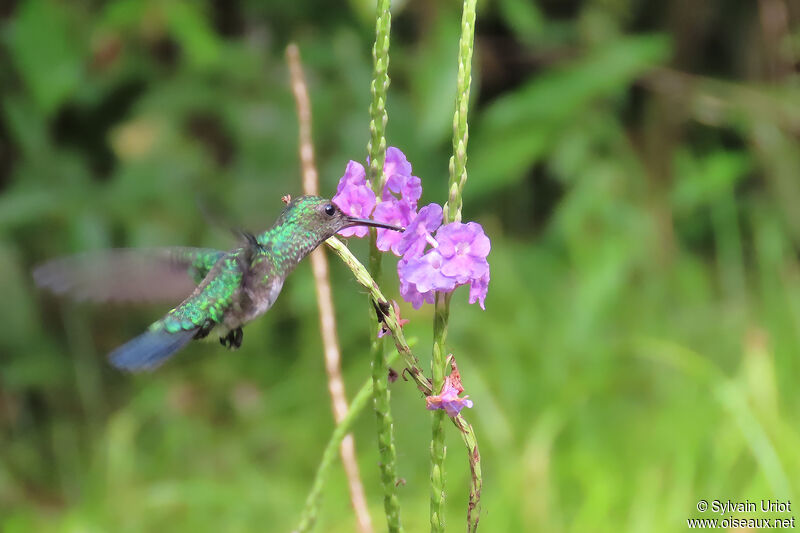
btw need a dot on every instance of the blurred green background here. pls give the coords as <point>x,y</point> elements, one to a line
<point>635,163</point>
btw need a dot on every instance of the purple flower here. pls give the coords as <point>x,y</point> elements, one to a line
<point>396,163</point>
<point>354,197</point>
<point>421,277</point>
<point>426,273</point>
<point>458,258</point>
<point>418,234</point>
<point>397,212</point>
<point>399,179</point>
<point>465,246</point>
<point>408,187</point>
<point>478,289</point>
<point>354,175</point>
<point>448,398</point>
<point>409,291</point>
<point>459,251</point>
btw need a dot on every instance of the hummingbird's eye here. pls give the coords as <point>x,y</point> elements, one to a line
<point>330,210</point>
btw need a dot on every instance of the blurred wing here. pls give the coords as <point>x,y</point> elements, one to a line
<point>128,275</point>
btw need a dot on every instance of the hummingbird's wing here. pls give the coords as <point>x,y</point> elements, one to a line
<point>205,308</point>
<point>128,275</point>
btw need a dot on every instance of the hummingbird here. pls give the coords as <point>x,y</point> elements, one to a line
<point>225,290</point>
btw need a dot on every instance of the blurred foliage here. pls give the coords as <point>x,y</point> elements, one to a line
<point>635,163</point>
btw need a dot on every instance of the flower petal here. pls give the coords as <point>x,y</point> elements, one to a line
<point>354,198</point>
<point>415,238</point>
<point>396,163</point>
<point>481,245</point>
<point>425,273</point>
<point>397,212</point>
<point>454,407</point>
<point>478,289</point>
<point>410,294</point>
<point>458,267</point>
<point>399,180</point>
<point>451,235</point>
<point>354,174</point>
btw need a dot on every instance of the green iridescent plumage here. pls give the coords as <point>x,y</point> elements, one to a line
<point>202,263</point>
<point>231,289</point>
<point>211,299</point>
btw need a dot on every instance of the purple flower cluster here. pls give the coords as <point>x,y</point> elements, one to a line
<point>434,257</point>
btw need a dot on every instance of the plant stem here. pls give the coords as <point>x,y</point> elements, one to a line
<point>476,478</point>
<point>386,448</point>
<point>458,162</point>
<point>378,88</point>
<point>438,448</point>
<point>452,212</point>
<point>377,155</point>
<point>327,316</point>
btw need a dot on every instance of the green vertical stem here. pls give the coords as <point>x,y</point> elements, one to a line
<point>378,88</point>
<point>386,448</point>
<point>380,369</point>
<point>458,162</point>
<point>452,212</point>
<point>438,448</point>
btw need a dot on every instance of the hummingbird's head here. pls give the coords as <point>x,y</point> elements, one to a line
<point>323,218</point>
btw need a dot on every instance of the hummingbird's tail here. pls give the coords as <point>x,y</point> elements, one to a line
<point>150,349</point>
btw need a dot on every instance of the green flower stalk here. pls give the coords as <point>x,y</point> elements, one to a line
<point>451,213</point>
<point>458,161</point>
<point>476,479</point>
<point>386,447</point>
<point>377,155</point>
<point>378,88</point>
<point>438,449</point>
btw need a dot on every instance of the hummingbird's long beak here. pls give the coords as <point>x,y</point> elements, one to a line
<point>352,221</point>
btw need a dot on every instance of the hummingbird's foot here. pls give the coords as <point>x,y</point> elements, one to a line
<point>204,330</point>
<point>233,339</point>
